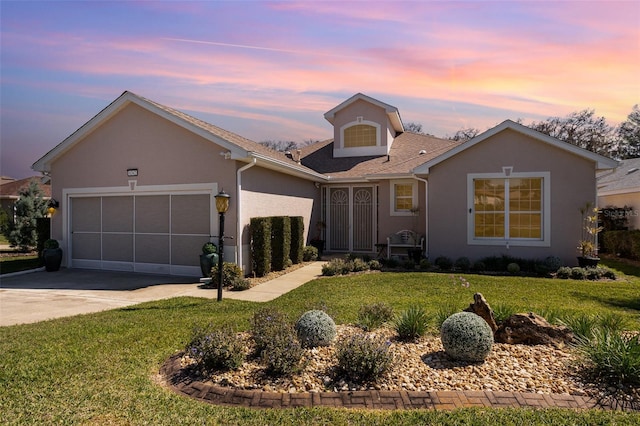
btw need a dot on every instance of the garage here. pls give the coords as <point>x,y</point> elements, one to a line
<point>154,233</point>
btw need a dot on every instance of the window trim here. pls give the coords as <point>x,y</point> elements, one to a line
<point>357,122</point>
<point>544,241</point>
<point>392,191</point>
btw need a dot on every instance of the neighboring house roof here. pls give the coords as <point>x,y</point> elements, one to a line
<point>602,162</point>
<point>408,151</point>
<point>11,190</point>
<point>238,147</point>
<point>392,112</point>
<point>625,178</point>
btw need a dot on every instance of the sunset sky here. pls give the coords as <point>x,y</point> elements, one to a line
<point>270,70</point>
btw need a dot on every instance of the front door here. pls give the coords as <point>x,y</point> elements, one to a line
<point>351,219</point>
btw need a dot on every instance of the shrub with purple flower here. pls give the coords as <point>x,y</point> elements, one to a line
<point>216,349</point>
<point>363,358</point>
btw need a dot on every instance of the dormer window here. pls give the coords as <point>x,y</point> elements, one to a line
<point>360,135</point>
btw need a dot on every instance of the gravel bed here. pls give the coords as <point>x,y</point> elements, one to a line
<point>423,366</point>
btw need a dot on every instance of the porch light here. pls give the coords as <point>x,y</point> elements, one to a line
<point>222,205</point>
<point>52,206</point>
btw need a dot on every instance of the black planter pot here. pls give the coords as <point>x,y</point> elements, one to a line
<point>52,259</point>
<point>207,261</point>
<point>588,262</point>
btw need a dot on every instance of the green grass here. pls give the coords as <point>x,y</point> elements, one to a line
<point>101,368</point>
<point>18,263</point>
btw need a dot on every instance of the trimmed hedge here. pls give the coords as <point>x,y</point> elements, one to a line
<point>280,242</point>
<point>260,228</point>
<point>297,239</point>
<point>622,243</point>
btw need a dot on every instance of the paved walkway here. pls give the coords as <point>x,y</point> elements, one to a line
<point>40,295</point>
<point>371,399</point>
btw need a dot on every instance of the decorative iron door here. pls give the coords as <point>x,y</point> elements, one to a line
<point>351,219</point>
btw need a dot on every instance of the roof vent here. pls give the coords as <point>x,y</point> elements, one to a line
<point>634,169</point>
<point>422,152</point>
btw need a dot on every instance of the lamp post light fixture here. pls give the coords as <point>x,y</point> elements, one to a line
<point>222,205</point>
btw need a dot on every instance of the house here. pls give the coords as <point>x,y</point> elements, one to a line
<point>10,191</point>
<point>621,187</point>
<point>136,186</point>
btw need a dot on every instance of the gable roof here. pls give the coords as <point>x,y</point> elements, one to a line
<point>408,151</point>
<point>239,148</point>
<point>392,112</point>
<point>601,161</point>
<point>625,178</point>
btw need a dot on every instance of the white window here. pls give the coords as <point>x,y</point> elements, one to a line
<point>404,197</point>
<point>509,208</point>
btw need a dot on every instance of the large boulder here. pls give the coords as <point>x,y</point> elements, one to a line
<point>481,308</point>
<point>532,329</point>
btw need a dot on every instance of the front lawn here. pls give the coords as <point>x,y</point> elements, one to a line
<point>102,368</point>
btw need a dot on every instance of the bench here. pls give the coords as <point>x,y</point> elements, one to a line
<point>405,239</point>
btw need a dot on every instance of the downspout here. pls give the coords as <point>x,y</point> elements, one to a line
<point>426,214</point>
<point>239,210</point>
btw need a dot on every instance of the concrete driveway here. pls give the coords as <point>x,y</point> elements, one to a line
<point>39,296</point>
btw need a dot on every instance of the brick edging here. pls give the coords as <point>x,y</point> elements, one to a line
<point>174,375</point>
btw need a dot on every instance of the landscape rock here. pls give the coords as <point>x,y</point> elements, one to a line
<point>532,329</point>
<point>481,307</point>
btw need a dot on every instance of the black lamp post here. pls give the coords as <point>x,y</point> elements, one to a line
<point>222,205</point>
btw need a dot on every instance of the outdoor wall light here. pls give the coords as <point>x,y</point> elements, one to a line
<point>52,206</point>
<point>222,205</point>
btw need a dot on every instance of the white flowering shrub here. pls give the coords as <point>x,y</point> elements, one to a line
<point>315,328</point>
<point>466,337</point>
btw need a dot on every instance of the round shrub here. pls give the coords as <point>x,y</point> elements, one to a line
<point>479,266</point>
<point>444,263</point>
<point>375,265</point>
<point>363,358</point>
<point>315,328</point>
<point>209,248</point>
<point>463,263</point>
<point>466,337</point>
<point>552,263</point>
<point>513,268</point>
<point>578,273</point>
<point>425,265</point>
<point>309,253</point>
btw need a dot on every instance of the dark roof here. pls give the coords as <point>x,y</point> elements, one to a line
<point>404,156</point>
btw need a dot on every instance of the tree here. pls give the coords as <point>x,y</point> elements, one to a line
<point>281,146</point>
<point>464,135</point>
<point>629,134</point>
<point>30,206</point>
<point>582,129</point>
<point>413,128</point>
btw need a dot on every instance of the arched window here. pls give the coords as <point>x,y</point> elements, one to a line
<point>360,135</point>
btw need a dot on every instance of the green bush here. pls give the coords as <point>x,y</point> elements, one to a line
<point>266,324</point>
<point>412,323</point>
<point>479,266</point>
<point>209,248</point>
<point>593,274</point>
<point>260,229</point>
<point>280,242</point>
<point>282,354</point>
<point>466,337</point>
<point>611,359</point>
<point>513,268</point>
<point>463,263</point>
<point>409,264</point>
<point>578,273</point>
<point>363,358</point>
<point>444,263</point>
<point>315,328</point>
<point>622,243</point>
<point>374,315</point>
<point>310,253</point>
<point>425,265</point>
<point>564,272</point>
<point>51,244</point>
<point>581,325</point>
<point>216,349</point>
<point>296,252</point>
<point>231,275</point>
<point>375,265</point>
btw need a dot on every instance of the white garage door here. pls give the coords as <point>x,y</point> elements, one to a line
<point>141,233</point>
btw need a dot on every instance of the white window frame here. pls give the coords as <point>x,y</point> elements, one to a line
<point>392,191</point>
<point>544,241</point>
<point>342,151</point>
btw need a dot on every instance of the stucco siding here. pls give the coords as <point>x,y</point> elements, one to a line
<point>572,184</point>
<point>164,154</point>
<point>368,112</point>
